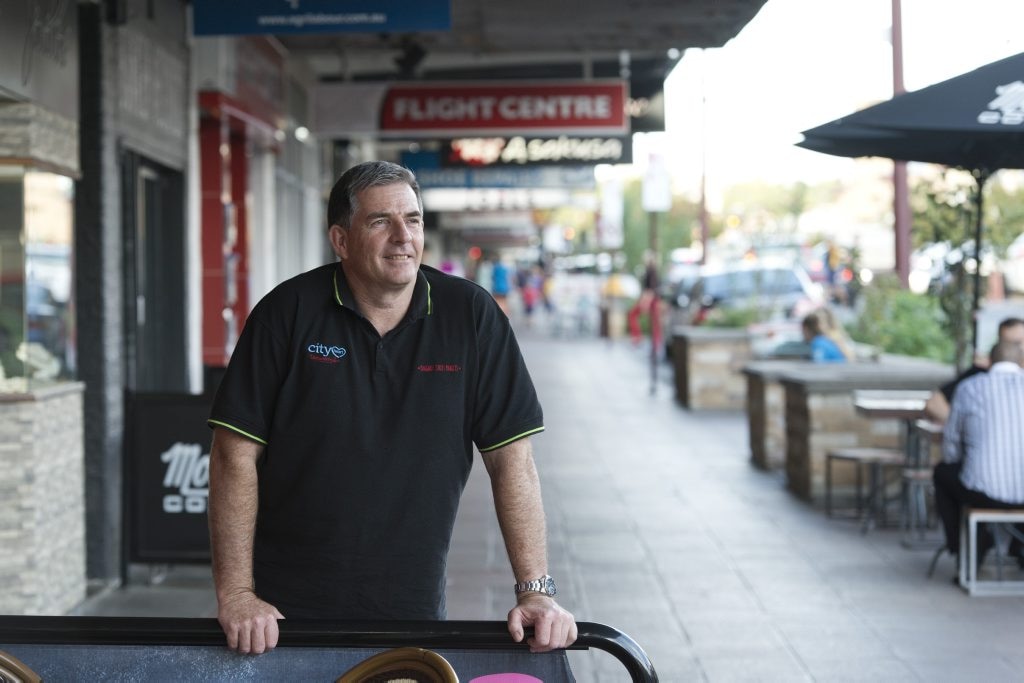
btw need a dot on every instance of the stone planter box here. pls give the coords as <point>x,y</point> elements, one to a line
<point>766,411</point>
<point>707,364</point>
<point>42,491</point>
<point>820,414</point>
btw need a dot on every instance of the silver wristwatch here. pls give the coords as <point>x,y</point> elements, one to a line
<point>544,584</point>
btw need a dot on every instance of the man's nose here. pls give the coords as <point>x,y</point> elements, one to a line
<point>400,231</point>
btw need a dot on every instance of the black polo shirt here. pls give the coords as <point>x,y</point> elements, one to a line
<point>369,439</point>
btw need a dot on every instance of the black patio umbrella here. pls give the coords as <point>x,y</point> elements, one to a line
<point>974,121</point>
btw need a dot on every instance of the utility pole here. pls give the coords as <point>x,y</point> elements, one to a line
<point>901,203</point>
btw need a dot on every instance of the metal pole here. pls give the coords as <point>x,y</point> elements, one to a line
<point>901,205</point>
<point>652,314</point>
<point>980,177</point>
<point>703,210</point>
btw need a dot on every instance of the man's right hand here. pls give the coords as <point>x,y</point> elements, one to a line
<point>249,623</point>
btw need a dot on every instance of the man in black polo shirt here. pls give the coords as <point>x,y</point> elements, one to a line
<point>344,432</point>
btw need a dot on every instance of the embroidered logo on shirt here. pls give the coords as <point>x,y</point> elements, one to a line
<point>324,353</point>
<point>439,367</point>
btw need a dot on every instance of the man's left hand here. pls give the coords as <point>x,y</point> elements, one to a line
<point>553,626</point>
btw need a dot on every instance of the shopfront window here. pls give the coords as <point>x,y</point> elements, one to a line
<point>37,321</point>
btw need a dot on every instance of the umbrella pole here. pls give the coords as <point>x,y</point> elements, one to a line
<point>980,177</point>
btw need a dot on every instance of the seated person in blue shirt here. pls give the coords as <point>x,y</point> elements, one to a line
<point>826,346</point>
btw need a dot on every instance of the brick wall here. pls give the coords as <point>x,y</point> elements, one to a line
<point>42,515</point>
<point>28,131</point>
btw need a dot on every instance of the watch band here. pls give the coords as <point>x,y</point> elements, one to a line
<point>544,584</point>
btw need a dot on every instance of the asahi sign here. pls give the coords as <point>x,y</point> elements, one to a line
<point>39,53</point>
<point>167,481</point>
<point>520,151</point>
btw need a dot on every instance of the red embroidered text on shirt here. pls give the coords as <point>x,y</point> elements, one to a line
<point>439,367</point>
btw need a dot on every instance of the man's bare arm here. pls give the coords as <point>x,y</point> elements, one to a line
<point>249,623</point>
<point>517,501</point>
<point>936,407</point>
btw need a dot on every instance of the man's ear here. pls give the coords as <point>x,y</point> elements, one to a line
<point>338,238</point>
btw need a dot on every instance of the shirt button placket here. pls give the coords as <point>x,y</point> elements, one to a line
<point>381,359</point>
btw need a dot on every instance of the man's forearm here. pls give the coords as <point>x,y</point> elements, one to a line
<point>232,511</point>
<point>520,510</point>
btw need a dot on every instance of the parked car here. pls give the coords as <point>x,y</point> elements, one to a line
<point>1012,266</point>
<point>775,292</point>
<point>930,264</point>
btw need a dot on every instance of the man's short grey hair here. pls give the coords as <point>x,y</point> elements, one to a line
<point>1009,352</point>
<point>343,202</point>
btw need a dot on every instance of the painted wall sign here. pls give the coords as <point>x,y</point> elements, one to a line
<point>250,17</point>
<point>39,53</point>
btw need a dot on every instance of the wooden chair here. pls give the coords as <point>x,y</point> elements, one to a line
<point>402,664</point>
<point>13,670</point>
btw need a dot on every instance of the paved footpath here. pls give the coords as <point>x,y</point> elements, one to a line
<point>659,526</point>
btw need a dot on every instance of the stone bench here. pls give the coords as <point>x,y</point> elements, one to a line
<point>820,415</point>
<point>707,362</point>
<point>766,411</point>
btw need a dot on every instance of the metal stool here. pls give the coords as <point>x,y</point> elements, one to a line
<point>875,459</point>
<point>1000,522</point>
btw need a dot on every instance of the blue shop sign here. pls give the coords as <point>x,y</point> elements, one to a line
<point>249,17</point>
<point>565,177</point>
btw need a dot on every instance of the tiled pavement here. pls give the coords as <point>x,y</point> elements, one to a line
<point>660,527</point>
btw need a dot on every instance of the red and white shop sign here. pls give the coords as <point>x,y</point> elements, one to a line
<point>556,107</point>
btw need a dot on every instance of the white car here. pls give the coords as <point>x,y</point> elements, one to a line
<point>1012,266</point>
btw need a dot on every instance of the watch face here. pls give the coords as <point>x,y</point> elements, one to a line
<point>549,586</point>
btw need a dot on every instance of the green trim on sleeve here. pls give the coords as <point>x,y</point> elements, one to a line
<point>510,440</point>
<point>236,429</point>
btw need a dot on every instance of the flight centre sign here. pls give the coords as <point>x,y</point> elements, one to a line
<point>462,109</point>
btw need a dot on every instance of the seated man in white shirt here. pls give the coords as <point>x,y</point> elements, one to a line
<point>983,445</point>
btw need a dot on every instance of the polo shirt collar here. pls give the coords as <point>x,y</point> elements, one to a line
<point>1005,366</point>
<point>420,306</point>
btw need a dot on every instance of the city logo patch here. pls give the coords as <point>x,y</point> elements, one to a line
<point>324,353</point>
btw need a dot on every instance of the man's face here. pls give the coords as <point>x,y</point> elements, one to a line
<point>1012,333</point>
<point>383,247</point>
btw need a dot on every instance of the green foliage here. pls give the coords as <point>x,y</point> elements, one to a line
<point>899,321</point>
<point>942,209</point>
<point>945,210</point>
<point>733,317</point>
<point>1004,214</point>
<point>674,229</point>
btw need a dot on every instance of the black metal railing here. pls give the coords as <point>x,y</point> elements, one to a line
<point>439,635</point>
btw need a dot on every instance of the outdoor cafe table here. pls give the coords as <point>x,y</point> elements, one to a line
<point>906,406</point>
